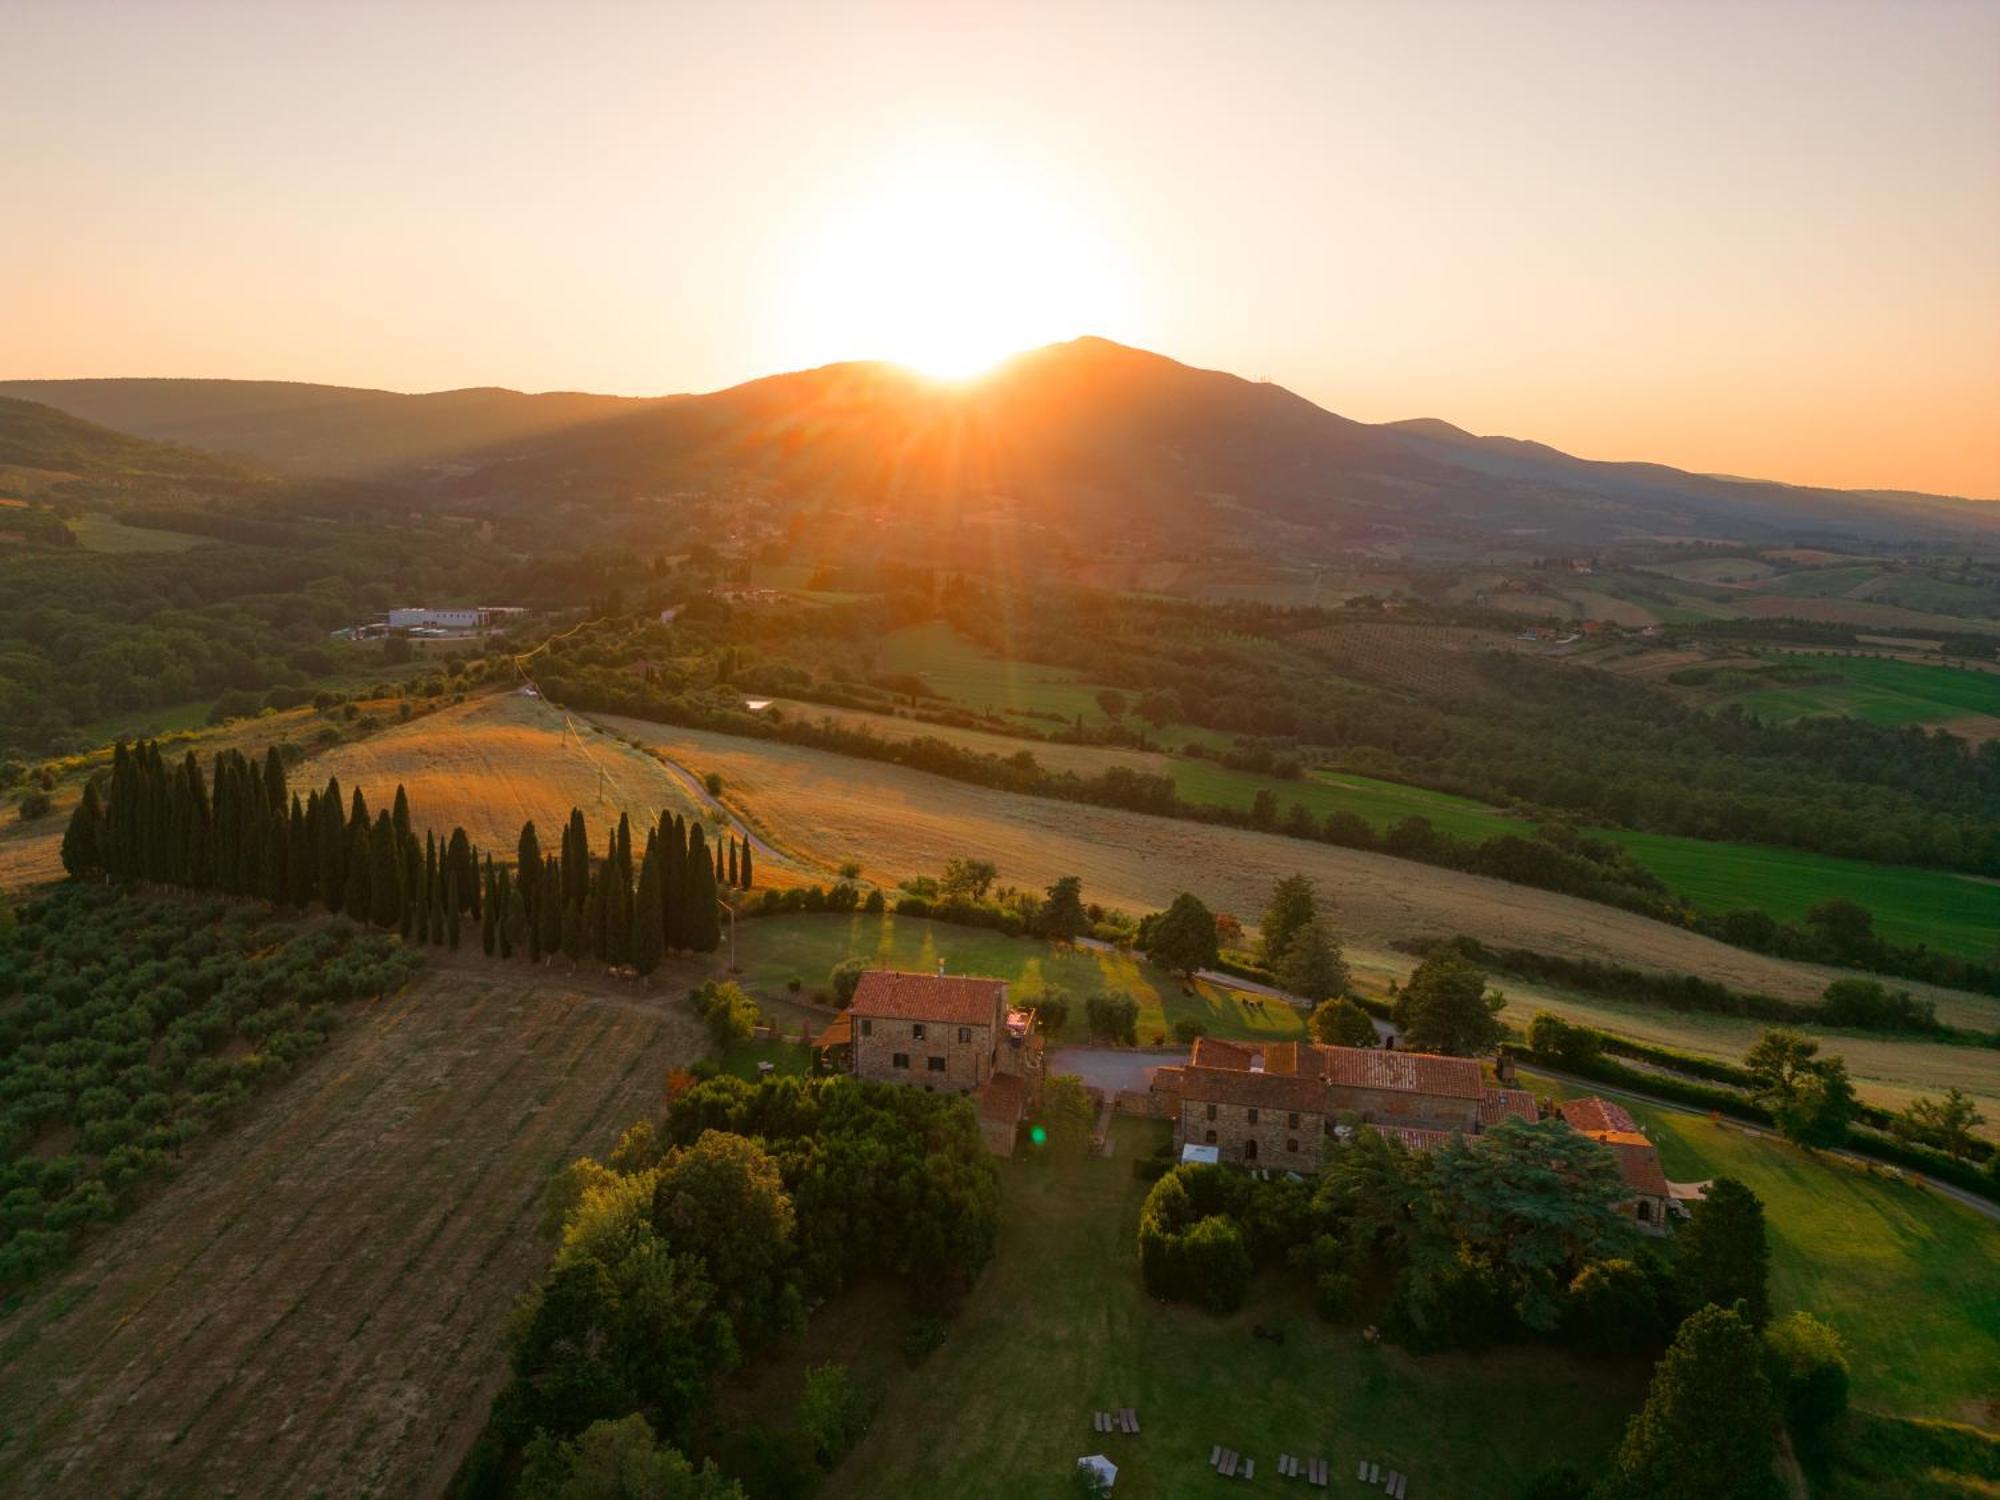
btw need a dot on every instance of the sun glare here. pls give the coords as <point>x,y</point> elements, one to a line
<point>948,264</point>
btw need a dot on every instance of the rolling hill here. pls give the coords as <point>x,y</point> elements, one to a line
<point>1077,436</point>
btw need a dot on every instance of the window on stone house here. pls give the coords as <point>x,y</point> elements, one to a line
<point>1292,1119</point>
<point>1211,1111</point>
<point>868,1028</point>
<point>917,1032</point>
<point>900,1060</point>
<point>1250,1149</point>
<point>1292,1144</point>
<point>1211,1137</point>
<point>937,1064</point>
<point>1253,1117</point>
<point>965,1033</point>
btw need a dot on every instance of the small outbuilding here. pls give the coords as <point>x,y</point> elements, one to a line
<point>1105,1470</point>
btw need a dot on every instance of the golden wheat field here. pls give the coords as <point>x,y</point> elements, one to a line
<point>827,809</point>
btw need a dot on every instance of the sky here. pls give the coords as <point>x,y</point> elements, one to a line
<point>1755,237</point>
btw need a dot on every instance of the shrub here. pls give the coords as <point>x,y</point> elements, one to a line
<point>1809,1370</point>
<point>846,976</point>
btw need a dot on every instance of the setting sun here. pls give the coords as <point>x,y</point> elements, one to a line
<point>947,263</point>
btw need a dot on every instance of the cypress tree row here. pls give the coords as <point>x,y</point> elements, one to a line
<point>242,830</point>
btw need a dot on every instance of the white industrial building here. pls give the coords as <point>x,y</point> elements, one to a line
<point>481,617</point>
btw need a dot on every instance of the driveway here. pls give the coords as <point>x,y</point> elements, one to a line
<point>1112,1068</point>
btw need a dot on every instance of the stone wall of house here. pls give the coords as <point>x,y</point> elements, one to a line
<point>1286,1140</point>
<point>965,1065</point>
<point>998,1134</point>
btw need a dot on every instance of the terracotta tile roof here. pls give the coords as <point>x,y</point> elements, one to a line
<point>1638,1162</point>
<point>1403,1072</point>
<point>1213,1052</point>
<point>1284,1091</point>
<point>1415,1138</point>
<point>839,1032</point>
<point>1166,1080</point>
<point>1004,1096</point>
<point>1592,1115</point>
<point>1496,1105</point>
<point>953,999</point>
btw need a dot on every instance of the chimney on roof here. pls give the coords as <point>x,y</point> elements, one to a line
<point>1256,1062</point>
<point>940,968</point>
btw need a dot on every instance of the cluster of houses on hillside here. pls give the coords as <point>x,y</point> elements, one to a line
<point>1262,1106</point>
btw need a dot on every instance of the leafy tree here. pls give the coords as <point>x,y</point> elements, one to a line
<point>1342,1023</point>
<point>1292,905</point>
<point>619,1460</point>
<point>80,853</point>
<point>1722,1256</point>
<point>1312,965</point>
<point>1552,1037</point>
<point>1052,1013</point>
<point>833,1413</point>
<point>730,1013</point>
<point>1778,1060</point>
<point>1844,928</point>
<point>1115,1017</point>
<point>1809,1366</point>
<point>722,1199</point>
<point>1112,702</point>
<point>1706,1430</point>
<point>1946,1123</point>
<point>1181,938</point>
<point>1061,915</point>
<point>1817,1110</point>
<point>844,979</point>
<point>1538,1201</point>
<point>967,879</point>
<point>1215,1264</point>
<point>1067,1114</point>
<point>1446,1008</point>
<point>1612,1308</point>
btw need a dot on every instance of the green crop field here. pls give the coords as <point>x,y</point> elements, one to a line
<point>1382,803</point>
<point>1954,913</point>
<point>1910,1278</point>
<point>774,951</point>
<point>1061,1324</point>
<point>96,532</point>
<point>967,672</point>
<point>1878,689</point>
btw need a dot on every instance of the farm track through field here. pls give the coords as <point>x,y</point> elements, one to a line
<point>316,1304</point>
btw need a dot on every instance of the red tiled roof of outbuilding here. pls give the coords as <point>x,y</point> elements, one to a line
<point>954,999</point>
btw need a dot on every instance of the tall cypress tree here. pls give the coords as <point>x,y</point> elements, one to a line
<point>649,936</point>
<point>357,899</point>
<point>196,832</point>
<point>748,880</point>
<point>673,882</point>
<point>80,854</point>
<point>451,906</point>
<point>299,863</point>
<point>331,839</point>
<point>413,874</point>
<point>385,874</point>
<point>275,791</point>
<point>400,814</point>
<point>704,922</point>
<point>732,860</point>
<point>576,860</point>
<point>423,901</point>
<point>549,907</point>
<point>528,866</point>
<point>507,913</point>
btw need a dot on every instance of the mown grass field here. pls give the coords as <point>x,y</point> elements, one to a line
<point>317,1304</point>
<point>775,950</point>
<point>1878,689</point>
<point>1954,913</point>
<point>1909,1277</point>
<point>1060,1327</point>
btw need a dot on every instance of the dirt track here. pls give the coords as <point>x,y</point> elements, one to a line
<point>316,1305</point>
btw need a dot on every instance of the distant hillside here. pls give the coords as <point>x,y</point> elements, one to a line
<point>299,429</point>
<point>50,453</point>
<point>1087,436</point>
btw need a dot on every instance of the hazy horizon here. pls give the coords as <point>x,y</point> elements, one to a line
<point>1759,241</point>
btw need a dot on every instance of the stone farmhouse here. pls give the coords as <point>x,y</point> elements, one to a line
<point>942,1032</point>
<point>1638,1159</point>
<point>1272,1105</point>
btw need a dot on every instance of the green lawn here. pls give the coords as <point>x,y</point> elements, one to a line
<point>741,1058</point>
<point>1880,690</point>
<point>776,950</point>
<point>1060,1327</point>
<point>1910,1278</point>
<point>1952,913</point>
